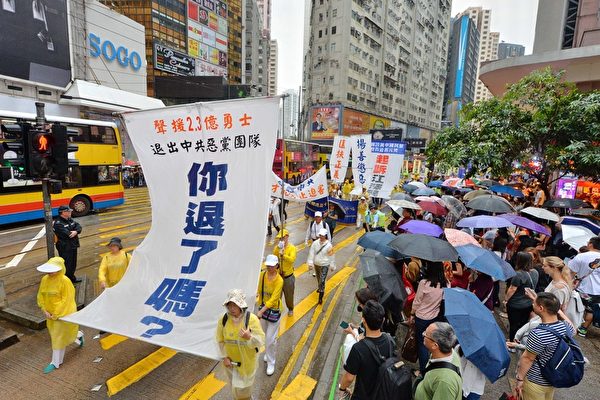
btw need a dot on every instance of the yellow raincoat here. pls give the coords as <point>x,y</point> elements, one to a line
<point>240,350</point>
<point>56,295</point>
<point>113,267</point>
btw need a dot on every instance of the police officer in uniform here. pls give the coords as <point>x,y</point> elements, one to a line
<point>67,232</point>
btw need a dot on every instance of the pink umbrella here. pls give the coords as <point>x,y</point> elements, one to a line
<point>430,199</point>
<point>459,238</point>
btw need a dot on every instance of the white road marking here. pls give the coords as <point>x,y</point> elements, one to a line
<point>17,259</point>
<point>19,229</point>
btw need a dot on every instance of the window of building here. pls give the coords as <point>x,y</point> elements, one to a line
<point>332,46</point>
<point>320,17</point>
<point>320,33</point>
<point>334,13</point>
<point>333,30</point>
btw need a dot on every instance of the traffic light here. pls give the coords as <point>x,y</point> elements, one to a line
<point>62,147</point>
<point>40,149</point>
<point>13,149</point>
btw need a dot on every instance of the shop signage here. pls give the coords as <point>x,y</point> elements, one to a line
<point>107,50</point>
<point>169,60</point>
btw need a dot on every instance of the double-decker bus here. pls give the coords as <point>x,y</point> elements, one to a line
<point>94,184</point>
<point>299,160</point>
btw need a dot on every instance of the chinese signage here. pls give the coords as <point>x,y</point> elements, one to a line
<point>389,159</point>
<point>207,36</point>
<point>200,160</point>
<point>354,122</point>
<point>311,189</point>
<point>169,60</point>
<point>325,122</point>
<point>340,155</point>
<point>362,162</point>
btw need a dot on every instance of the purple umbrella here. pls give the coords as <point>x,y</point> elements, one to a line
<point>526,223</point>
<point>423,227</point>
<point>484,221</point>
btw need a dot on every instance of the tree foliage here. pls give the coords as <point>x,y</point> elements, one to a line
<point>540,118</point>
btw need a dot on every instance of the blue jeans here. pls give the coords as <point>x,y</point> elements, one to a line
<point>473,396</point>
<point>422,352</point>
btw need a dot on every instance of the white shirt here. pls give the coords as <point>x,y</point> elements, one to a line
<point>314,228</point>
<point>322,258</point>
<point>581,265</point>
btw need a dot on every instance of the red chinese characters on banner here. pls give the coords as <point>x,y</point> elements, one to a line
<point>197,124</point>
<point>381,164</point>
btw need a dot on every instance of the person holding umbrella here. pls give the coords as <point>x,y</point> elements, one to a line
<point>518,304</point>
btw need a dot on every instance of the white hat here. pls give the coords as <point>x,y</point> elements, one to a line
<point>363,198</point>
<point>318,214</point>
<point>49,268</point>
<point>271,260</point>
<point>237,297</point>
<point>323,232</point>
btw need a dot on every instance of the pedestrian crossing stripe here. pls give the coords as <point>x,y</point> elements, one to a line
<point>299,389</point>
<point>205,389</point>
<point>111,341</point>
<point>138,370</point>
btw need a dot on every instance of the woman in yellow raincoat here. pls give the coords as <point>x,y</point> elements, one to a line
<point>113,265</point>
<point>56,298</point>
<point>240,338</point>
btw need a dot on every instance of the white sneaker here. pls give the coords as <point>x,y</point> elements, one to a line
<point>270,369</point>
<point>314,274</point>
<point>265,358</point>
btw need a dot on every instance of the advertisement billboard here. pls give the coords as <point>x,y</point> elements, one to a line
<point>378,122</point>
<point>462,55</point>
<point>354,122</point>
<point>566,188</point>
<point>325,122</point>
<point>35,41</point>
<point>207,35</point>
<point>204,68</point>
<point>169,60</point>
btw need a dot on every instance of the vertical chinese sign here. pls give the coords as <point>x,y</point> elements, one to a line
<point>362,162</point>
<point>340,155</point>
<point>207,236</point>
<point>389,158</point>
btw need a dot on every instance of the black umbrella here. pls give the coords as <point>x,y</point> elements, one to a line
<point>424,247</point>
<point>563,203</point>
<point>382,278</point>
<point>487,183</point>
<point>491,203</point>
<point>402,196</point>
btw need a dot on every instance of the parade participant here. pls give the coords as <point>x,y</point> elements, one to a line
<point>67,233</point>
<point>443,379</point>
<point>270,286</point>
<point>346,189</point>
<point>427,305</point>
<point>586,266</point>
<point>361,210</point>
<point>56,299</point>
<point>239,336</point>
<point>361,365</point>
<point>331,218</point>
<point>378,222</point>
<point>541,345</point>
<point>287,257</point>
<point>274,215</point>
<point>518,305</point>
<point>113,265</point>
<point>320,257</point>
<point>315,227</point>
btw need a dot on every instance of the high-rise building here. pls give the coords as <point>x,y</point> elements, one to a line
<point>506,50</point>
<point>272,69</point>
<point>383,60</point>
<point>235,47</point>
<point>290,114</point>
<point>265,9</point>
<point>256,50</point>
<point>463,58</point>
<point>488,44</point>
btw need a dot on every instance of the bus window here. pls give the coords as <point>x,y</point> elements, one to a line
<point>108,174</point>
<point>14,181</point>
<point>73,178</point>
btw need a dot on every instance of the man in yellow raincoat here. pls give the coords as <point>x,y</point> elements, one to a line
<point>240,338</point>
<point>56,298</point>
<point>113,265</point>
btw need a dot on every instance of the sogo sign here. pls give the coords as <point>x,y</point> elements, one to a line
<point>110,52</point>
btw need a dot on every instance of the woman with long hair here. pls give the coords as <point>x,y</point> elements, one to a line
<point>518,304</point>
<point>427,306</point>
<point>561,284</point>
<point>544,279</point>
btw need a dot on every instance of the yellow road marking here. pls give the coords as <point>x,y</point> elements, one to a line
<point>125,249</point>
<point>138,370</point>
<point>129,239</point>
<point>116,227</point>
<point>299,389</point>
<point>312,299</point>
<point>303,268</point>
<point>133,211</point>
<point>142,228</point>
<point>111,341</point>
<point>204,389</point>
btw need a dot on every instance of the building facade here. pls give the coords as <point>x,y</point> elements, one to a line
<point>506,50</point>
<point>383,58</point>
<point>256,50</point>
<point>488,44</point>
<point>463,58</point>
<point>235,34</point>
<point>265,10</point>
<point>272,70</point>
<point>290,114</point>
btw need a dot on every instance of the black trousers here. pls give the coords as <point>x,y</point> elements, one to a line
<point>517,317</point>
<point>70,257</point>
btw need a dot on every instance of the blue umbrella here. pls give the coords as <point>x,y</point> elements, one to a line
<point>484,221</point>
<point>480,337</point>
<point>509,190</point>
<point>485,261</point>
<point>435,184</point>
<point>378,240</point>
<point>423,192</point>
<point>408,188</point>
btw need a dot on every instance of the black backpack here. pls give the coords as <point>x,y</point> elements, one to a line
<point>226,317</point>
<point>565,367</point>
<point>394,378</point>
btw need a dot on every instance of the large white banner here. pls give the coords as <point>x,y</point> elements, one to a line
<point>340,156</point>
<point>389,157</point>
<point>203,163</point>
<point>311,189</point>
<point>362,162</point>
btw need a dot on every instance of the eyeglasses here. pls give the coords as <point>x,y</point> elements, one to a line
<point>359,308</point>
<point>427,337</point>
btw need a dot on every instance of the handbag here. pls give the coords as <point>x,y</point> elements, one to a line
<point>409,347</point>
<point>271,314</point>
